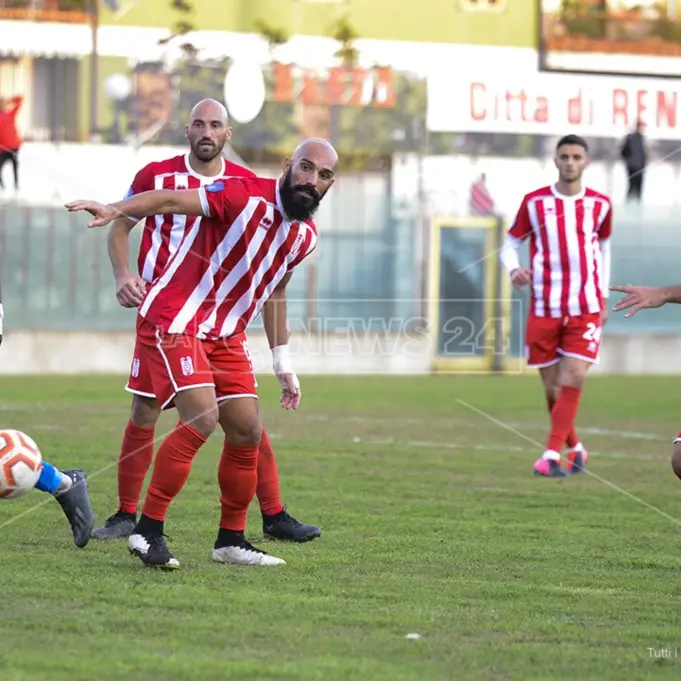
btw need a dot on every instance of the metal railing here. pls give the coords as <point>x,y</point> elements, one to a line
<point>56,273</point>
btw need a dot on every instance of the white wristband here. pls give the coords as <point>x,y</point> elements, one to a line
<point>282,360</point>
<point>2,314</point>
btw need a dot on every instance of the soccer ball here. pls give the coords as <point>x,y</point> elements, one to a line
<point>20,464</point>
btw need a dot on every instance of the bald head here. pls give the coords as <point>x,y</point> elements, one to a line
<point>308,175</point>
<point>318,148</point>
<point>207,131</point>
<point>209,109</point>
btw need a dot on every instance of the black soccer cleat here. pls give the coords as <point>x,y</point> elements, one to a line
<point>577,462</point>
<point>285,527</point>
<point>120,524</point>
<point>75,503</point>
<point>152,550</point>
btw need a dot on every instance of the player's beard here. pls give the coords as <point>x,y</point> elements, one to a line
<point>571,177</point>
<point>298,205</point>
<point>204,152</point>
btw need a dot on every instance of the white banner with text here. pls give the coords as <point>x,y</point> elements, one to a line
<point>515,101</point>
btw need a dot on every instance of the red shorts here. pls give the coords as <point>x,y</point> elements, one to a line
<point>165,364</point>
<point>549,338</point>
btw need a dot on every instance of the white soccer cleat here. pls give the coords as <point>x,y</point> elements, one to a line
<point>153,551</point>
<point>245,554</point>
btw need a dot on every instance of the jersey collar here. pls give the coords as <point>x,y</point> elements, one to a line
<point>280,205</point>
<point>574,197</point>
<point>205,178</point>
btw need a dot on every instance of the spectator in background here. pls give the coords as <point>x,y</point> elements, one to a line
<point>10,140</point>
<point>635,157</point>
<point>481,202</point>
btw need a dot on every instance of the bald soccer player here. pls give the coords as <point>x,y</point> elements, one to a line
<point>207,131</point>
<point>235,260</point>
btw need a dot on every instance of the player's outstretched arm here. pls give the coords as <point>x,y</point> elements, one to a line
<point>639,298</point>
<point>155,202</point>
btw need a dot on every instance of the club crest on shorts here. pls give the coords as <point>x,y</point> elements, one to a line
<point>187,366</point>
<point>135,371</point>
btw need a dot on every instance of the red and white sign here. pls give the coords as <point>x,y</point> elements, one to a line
<point>552,104</point>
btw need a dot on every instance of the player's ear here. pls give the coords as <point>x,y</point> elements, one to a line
<point>555,161</point>
<point>186,131</point>
<point>286,165</point>
<point>228,135</point>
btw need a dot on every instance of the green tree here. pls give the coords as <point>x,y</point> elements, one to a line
<point>346,35</point>
<point>274,35</point>
<point>181,26</point>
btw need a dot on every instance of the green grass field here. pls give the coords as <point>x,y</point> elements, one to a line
<point>432,524</point>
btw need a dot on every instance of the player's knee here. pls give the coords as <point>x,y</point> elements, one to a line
<point>573,375</point>
<point>144,412</point>
<point>205,422</point>
<point>246,431</point>
<point>573,381</point>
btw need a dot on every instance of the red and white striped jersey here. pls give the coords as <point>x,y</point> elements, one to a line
<point>163,233</point>
<point>565,253</point>
<point>229,262</point>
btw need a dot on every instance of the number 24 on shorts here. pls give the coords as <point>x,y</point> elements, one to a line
<point>593,332</point>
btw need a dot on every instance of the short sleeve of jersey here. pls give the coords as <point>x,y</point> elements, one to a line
<point>223,200</point>
<point>605,230</point>
<point>234,170</point>
<point>521,227</point>
<point>307,247</point>
<point>143,182</point>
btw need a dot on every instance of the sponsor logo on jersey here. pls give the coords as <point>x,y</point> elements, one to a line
<point>215,186</point>
<point>297,244</point>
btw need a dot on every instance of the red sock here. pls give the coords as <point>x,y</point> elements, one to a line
<point>563,417</point>
<point>137,453</point>
<point>572,438</point>
<point>171,469</point>
<point>238,477</point>
<point>268,478</point>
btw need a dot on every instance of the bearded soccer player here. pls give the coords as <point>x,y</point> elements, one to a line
<point>639,298</point>
<point>207,131</point>
<point>69,488</point>
<point>234,261</point>
<point>569,228</point>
